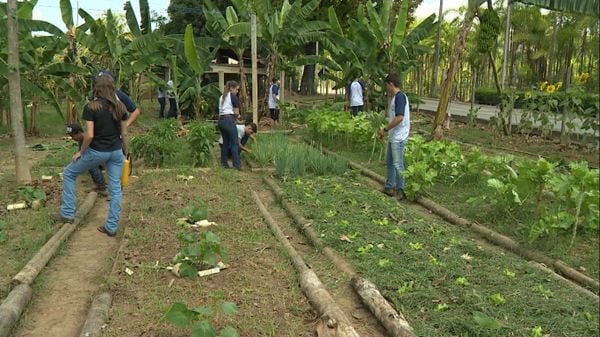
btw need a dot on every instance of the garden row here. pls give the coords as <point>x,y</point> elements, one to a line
<point>524,198</point>
<point>444,280</point>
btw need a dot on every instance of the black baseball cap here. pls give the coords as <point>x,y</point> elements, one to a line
<point>74,128</point>
<point>107,72</point>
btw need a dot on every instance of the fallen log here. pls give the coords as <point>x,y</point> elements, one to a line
<point>96,316</point>
<point>583,291</point>
<point>332,318</point>
<point>12,307</point>
<point>41,258</point>
<point>393,321</point>
<point>492,236</point>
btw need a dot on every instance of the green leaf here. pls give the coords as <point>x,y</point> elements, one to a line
<point>186,269</point>
<point>179,315</point>
<point>132,20</point>
<point>229,332</point>
<point>67,13</point>
<point>203,329</point>
<point>189,47</point>
<point>204,311</point>
<point>229,308</point>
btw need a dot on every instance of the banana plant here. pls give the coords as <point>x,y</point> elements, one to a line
<point>283,31</point>
<point>217,23</point>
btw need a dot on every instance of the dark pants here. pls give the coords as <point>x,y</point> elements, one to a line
<point>230,141</point>
<point>161,101</point>
<point>274,114</point>
<point>356,109</point>
<point>172,108</point>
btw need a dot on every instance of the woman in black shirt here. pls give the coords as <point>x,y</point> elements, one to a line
<point>104,141</point>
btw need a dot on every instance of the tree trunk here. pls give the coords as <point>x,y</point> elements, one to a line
<point>437,131</point>
<point>243,86</point>
<point>506,122</point>
<point>552,52</point>
<point>436,62</point>
<point>33,129</point>
<point>307,84</point>
<point>16,105</point>
<point>506,51</point>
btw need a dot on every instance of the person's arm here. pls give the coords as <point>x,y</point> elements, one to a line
<point>133,116</point>
<point>244,148</point>
<point>125,137</point>
<point>88,135</point>
<point>275,92</point>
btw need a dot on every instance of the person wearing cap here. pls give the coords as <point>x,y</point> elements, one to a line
<point>104,141</point>
<point>130,106</point>
<point>273,99</point>
<point>76,132</point>
<point>244,133</point>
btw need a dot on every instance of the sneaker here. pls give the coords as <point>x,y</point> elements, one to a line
<point>56,216</point>
<point>389,191</point>
<point>400,195</point>
<point>101,229</point>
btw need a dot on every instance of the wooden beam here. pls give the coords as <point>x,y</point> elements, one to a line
<point>254,68</point>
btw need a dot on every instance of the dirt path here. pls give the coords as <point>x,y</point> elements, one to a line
<point>60,308</point>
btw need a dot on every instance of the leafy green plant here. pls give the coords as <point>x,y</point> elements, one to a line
<point>365,249</point>
<point>195,213</point>
<point>158,146</point>
<point>384,263</point>
<point>199,251</point>
<point>509,274</point>
<point>486,322</point>
<point>415,245</point>
<point>29,193</point>
<point>497,299</point>
<point>199,319</point>
<point>462,281</point>
<point>201,136</point>
<point>540,289</point>
<point>406,287</point>
<point>536,331</point>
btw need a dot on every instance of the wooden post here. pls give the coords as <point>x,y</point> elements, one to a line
<point>506,52</point>
<point>281,96</point>
<point>254,68</point>
<point>222,81</point>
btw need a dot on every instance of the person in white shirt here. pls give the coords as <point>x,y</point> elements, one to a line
<point>229,110</point>
<point>244,133</point>
<point>273,99</point>
<point>398,128</point>
<point>355,92</point>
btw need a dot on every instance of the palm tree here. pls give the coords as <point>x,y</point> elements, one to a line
<point>14,82</point>
<point>436,62</point>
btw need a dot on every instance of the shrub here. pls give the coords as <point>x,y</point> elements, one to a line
<point>201,136</point>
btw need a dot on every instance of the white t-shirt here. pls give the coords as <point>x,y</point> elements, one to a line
<point>356,94</point>
<point>226,106</point>
<point>399,106</point>
<point>273,89</point>
<point>241,129</point>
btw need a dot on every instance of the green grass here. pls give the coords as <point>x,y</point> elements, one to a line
<point>415,260</point>
<point>586,249</point>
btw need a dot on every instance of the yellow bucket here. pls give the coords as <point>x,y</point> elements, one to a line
<point>125,173</point>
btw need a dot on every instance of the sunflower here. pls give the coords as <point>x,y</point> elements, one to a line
<point>550,89</point>
<point>543,85</point>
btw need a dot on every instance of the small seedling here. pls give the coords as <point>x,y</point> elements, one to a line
<point>382,222</point>
<point>384,263</point>
<point>442,307</point>
<point>398,232</point>
<point>415,245</point>
<point>536,331</point>
<point>435,231</point>
<point>462,281</point>
<point>199,319</point>
<point>353,235</point>
<point>497,299</point>
<point>509,274</point>
<point>547,293</point>
<point>406,287</point>
<point>344,223</point>
<point>331,213</point>
<point>365,249</point>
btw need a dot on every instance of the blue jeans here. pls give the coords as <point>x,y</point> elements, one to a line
<point>114,167</point>
<point>394,161</point>
<point>97,177</point>
<point>231,144</point>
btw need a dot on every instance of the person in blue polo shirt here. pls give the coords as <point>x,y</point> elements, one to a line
<point>355,92</point>
<point>398,128</point>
